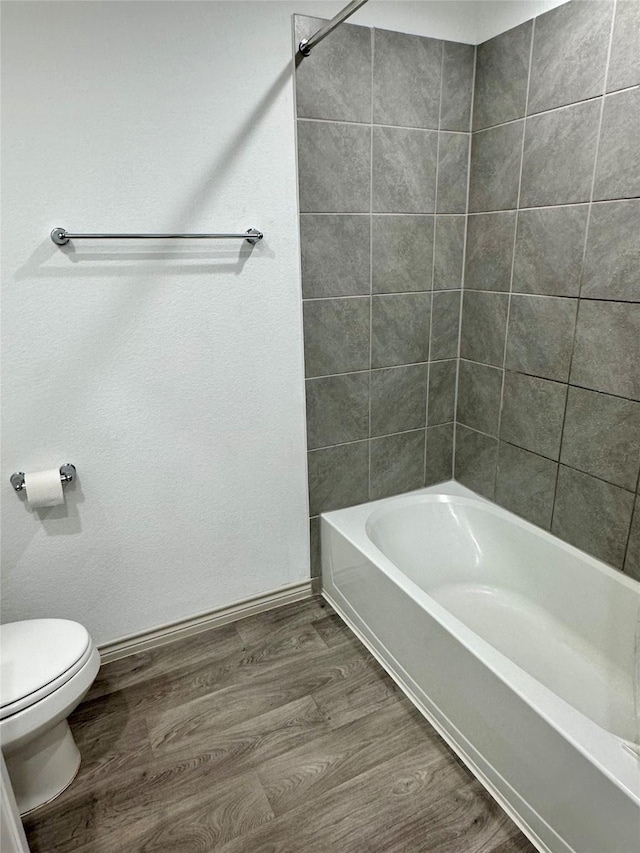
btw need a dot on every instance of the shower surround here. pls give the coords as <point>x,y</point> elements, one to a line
<point>383,124</point>
<point>548,408</point>
<point>534,401</point>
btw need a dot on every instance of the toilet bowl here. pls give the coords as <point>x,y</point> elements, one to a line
<point>46,667</point>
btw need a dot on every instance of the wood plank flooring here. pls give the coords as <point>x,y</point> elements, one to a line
<point>276,734</point>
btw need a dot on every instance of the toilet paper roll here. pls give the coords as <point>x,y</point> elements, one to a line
<point>44,488</point>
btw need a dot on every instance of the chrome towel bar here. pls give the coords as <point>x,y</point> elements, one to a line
<point>61,237</point>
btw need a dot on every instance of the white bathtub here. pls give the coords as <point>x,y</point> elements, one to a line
<point>521,650</point>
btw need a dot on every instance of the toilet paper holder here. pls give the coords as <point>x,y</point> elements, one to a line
<point>67,475</point>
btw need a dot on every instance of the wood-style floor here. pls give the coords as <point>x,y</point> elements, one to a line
<point>279,734</point>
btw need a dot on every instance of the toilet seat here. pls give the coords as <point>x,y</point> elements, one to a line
<point>38,657</point>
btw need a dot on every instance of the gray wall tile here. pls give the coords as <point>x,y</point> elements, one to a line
<point>533,413</point>
<point>315,553</point>
<point>484,325</point>
<point>559,153</point>
<point>624,63</point>
<point>570,46</point>
<point>442,392</point>
<point>502,67</point>
<point>445,324</point>
<point>601,440</point>
<point>336,335</point>
<point>400,329</point>
<point>397,464</point>
<point>338,477</point>
<point>406,79</point>
<point>607,348</point>
<point>632,561</point>
<point>398,399</point>
<point>334,162</point>
<point>479,388</point>
<point>404,170</point>
<point>489,255</point>
<point>618,169</point>
<point>602,436</point>
<point>402,253</point>
<point>335,252</point>
<point>540,335</point>
<point>549,250</point>
<point>495,168</point>
<point>592,515</point>
<point>449,252</point>
<point>334,82</point>
<point>525,484</point>
<point>475,461</point>
<point>337,409</point>
<point>453,172</point>
<point>458,63</point>
<point>612,260</point>
<point>439,461</point>
<point>345,393</point>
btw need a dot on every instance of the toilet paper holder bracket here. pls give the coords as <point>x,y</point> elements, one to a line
<point>67,475</point>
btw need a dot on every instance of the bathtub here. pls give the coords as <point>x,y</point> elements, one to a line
<point>521,650</point>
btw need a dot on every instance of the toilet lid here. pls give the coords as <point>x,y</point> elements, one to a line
<point>36,657</point>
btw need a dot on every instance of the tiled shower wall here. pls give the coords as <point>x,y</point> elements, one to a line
<point>548,406</point>
<point>383,124</point>
<point>548,394</point>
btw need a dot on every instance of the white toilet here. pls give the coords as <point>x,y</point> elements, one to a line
<point>46,667</point>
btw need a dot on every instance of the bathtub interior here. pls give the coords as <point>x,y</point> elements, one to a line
<point>561,616</point>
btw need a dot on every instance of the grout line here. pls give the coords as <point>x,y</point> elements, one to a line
<point>312,120</point>
<point>479,431</point>
<point>474,290</point>
<point>369,440</point>
<point>464,263</point>
<point>433,267</point>
<point>585,202</point>
<point>484,364</point>
<point>568,296</point>
<point>609,50</point>
<point>548,458</point>
<point>541,456</point>
<point>547,379</point>
<point>584,247</point>
<point>513,259</point>
<point>417,213</point>
<point>375,123</point>
<point>380,369</point>
<point>622,89</point>
<point>331,298</point>
<point>634,509</point>
<point>558,108</point>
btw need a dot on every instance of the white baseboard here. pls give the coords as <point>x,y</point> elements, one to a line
<point>163,634</point>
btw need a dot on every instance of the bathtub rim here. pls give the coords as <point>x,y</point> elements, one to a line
<point>621,766</point>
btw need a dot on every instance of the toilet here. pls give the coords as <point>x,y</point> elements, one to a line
<point>46,667</point>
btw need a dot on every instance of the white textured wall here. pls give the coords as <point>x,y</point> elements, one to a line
<point>470,21</point>
<point>170,374</point>
<point>492,17</point>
